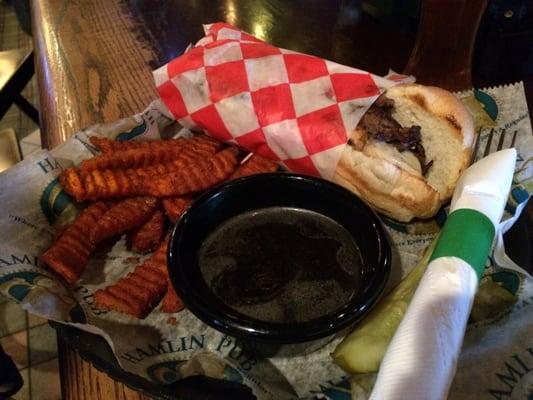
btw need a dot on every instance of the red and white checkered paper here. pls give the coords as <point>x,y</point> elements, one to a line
<point>278,103</point>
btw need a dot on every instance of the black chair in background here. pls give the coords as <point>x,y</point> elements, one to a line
<point>16,70</point>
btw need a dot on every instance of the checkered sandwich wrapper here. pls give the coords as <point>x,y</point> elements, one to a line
<point>291,107</point>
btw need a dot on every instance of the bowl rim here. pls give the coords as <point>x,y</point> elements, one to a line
<point>241,326</point>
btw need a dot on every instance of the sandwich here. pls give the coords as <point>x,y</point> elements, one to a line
<point>407,152</point>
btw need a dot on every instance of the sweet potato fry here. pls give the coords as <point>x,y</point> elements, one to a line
<point>131,158</point>
<point>140,291</point>
<point>119,183</point>
<point>71,181</point>
<point>196,176</point>
<point>106,300</point>
<point>149,154</point>
<point>256,164</point>
<point>69,254</point>
<point>176,206</point>
<point>147,237</point>
<point>124,216</point>
<point>171,302</point>
<point>106,145</point>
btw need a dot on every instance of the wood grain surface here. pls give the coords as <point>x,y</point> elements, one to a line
<point>90,66</point>
<point>80,380</point>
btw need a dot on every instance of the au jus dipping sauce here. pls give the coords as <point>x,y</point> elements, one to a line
<point>281,264</point>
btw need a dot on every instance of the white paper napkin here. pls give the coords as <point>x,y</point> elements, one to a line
<point>421,359</point>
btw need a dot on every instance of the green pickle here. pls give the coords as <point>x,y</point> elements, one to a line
<point>363,349</point>
<point>492,300</point>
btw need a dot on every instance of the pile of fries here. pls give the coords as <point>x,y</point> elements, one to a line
<point>137,189</point>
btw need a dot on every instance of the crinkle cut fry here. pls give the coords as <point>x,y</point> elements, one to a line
<point>147,237</point>
<point>69,254</point>
<point>106,145</point>
<point>120,183</point>
<point>196,176</point>
<point>147,155</point>
<point>176,206</point>
<point>140,291</point>
<point>133,158</point>
<point>171,302</point>
<point>256,164</point>
<point>122,217</point>
<point>201,151</point>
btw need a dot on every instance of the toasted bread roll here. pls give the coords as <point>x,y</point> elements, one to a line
<point>412,172</point>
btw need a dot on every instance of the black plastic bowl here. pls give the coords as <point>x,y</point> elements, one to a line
<point>277,190</point>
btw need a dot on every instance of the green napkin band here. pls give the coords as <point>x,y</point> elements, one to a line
<point>468,235</point>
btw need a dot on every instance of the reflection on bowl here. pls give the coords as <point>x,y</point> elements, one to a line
<point>282,262</point>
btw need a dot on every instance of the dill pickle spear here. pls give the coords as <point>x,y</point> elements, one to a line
<point>363,349</point>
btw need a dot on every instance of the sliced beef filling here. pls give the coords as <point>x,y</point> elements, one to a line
<point>380,125</point>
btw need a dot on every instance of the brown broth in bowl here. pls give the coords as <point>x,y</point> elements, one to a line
<point>281,264</point>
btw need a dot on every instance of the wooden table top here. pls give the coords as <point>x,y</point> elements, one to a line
<point>94,60</point>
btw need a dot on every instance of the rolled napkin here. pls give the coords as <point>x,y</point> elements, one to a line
<point>421,359</point>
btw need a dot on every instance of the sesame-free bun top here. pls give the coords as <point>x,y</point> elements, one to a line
<point>392,181</point>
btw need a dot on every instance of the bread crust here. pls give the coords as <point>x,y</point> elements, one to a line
<point>449,108</point>
<point>387,187</point>
<point>394,187</point>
